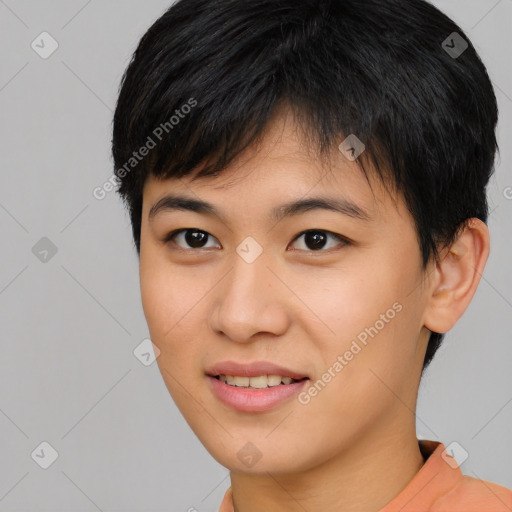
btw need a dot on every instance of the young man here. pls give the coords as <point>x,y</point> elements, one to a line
<point>306,182</point>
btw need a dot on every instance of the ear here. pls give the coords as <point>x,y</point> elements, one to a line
<point>456,277</point>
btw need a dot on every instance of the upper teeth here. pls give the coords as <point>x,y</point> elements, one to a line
<point>262,381</point>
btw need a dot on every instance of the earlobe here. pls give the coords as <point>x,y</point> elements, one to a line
<point>457,275</point>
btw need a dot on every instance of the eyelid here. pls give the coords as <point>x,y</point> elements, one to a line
<point>168,238</point>
<point>346,241</point>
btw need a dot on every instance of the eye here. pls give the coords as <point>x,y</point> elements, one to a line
<point>194,237</point>
<point>314,239</point>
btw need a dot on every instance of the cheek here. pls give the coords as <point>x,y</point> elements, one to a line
<point>165,293</point>
<point>175,314</point>
<point>168,305</point>
<point>370,318</point>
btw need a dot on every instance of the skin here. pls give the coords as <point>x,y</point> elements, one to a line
<point>301,308</point>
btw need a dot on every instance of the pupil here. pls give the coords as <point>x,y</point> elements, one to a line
<point>317,238</point>
<point>194,237</point>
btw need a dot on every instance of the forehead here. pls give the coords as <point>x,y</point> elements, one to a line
<point>282,168</point>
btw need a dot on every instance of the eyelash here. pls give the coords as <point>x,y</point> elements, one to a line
<point>345,241</point>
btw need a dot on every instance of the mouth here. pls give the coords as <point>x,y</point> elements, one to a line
<point>258,374</point>
<point>255,387</point>
<point>260,394</point>
<point>257,382</point>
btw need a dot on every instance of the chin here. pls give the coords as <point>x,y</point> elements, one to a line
<point>257,457</point>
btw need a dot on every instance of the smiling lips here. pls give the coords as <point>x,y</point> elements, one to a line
<point>254,369</point>
<point>254,387</point>
<point>259,382</point>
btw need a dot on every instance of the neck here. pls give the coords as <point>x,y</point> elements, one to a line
<point>363,478</point>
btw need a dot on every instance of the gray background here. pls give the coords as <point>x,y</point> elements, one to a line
<point>69,325</point>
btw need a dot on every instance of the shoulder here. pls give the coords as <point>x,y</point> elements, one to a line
<point>475,495</point>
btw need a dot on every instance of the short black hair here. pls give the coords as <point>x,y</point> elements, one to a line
<point>208,75</point>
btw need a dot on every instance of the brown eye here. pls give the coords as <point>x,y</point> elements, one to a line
<point>316,239</point>
<point>195,238</point>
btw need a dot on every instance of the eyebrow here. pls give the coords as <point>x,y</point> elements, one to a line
<point>339,205</point>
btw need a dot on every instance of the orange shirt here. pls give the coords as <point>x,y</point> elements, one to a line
<point>438,486</point>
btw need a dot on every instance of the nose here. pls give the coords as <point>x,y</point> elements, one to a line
<point>250,300</point>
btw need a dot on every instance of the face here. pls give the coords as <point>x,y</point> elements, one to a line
<point>324,294</point>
